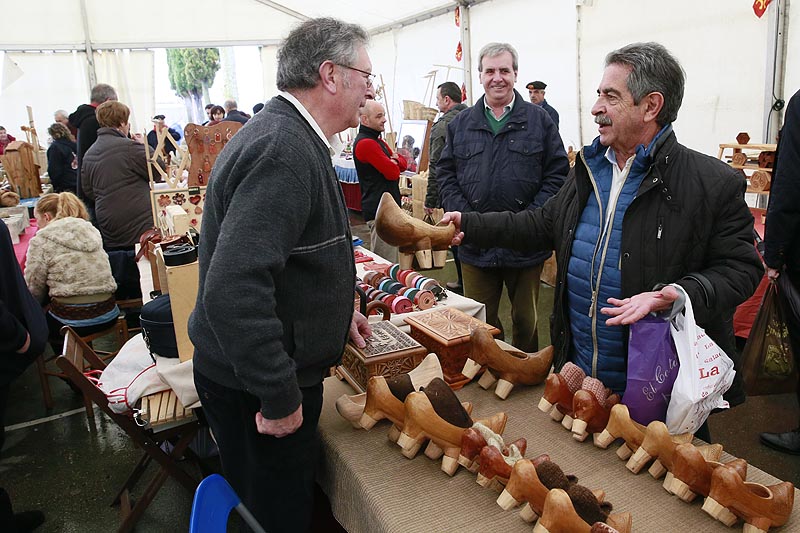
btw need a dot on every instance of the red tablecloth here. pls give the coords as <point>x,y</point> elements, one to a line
<point>21,249</point>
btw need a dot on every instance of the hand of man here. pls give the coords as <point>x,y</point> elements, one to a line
<point>773,273</point>
<point>359,329</point>
<point>281,427</point>
<point>455,218</point>
<point>26,345</point>
<point>633,309</point>
<point>138,137</point>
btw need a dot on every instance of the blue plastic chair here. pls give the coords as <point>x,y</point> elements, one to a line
<point>213,501</point>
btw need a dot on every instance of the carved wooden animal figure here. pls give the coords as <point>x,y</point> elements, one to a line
<point>495,465</point>
<point>691,472</point>
<point>658,444</point>
<point>558,392</point>
<point>620,424</point>
<point>411,235</point>
<point>513,366</point>
<point>761,507</point>
<point>530,482</point>
<point>591,408</point>
<point>559,516</point>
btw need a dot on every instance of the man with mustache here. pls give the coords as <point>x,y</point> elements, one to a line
<point>638,211</point>
<point>502,154</point>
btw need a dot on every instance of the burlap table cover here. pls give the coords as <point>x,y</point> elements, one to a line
<point>373,488</point>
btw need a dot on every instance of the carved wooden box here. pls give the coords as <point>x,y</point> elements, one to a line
<point>446,332</point>
<point>388,352</point>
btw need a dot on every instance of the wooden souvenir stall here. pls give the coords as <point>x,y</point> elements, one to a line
<point>20,165</point>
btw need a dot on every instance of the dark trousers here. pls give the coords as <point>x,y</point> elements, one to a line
<point>457,261</point>
<point>273,477</point>
<point>3,402</point>
<point>793,325</point>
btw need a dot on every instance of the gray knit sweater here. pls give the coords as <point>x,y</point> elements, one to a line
<point>276,263</point>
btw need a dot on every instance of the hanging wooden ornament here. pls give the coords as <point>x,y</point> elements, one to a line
<point>459,52</point>
<point>458,16</point>
<point>463,92</point>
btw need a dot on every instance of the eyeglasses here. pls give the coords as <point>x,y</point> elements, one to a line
<point>369,76</point>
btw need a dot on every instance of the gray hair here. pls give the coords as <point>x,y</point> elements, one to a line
<point>102,92</point>
<point>495,49</point>
<point>653,69</point>
<point>230,104</point>
<point>312,43</point>
<point>60,113</point>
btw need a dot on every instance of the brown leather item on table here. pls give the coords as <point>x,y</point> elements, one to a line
<point>152,235</point>
<point>559,390</point>
<point>657,444</point>
<point>761,507</point>
<point>493,467</point>
<point>691,472</point>
<point>559,516</point>
<point>591,407</point>
<point>620,424</point>
<point>513,367</point>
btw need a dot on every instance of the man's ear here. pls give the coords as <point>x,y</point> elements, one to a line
<point>654,103</point>
<point>327,73</point>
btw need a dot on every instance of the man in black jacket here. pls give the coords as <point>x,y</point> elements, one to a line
<point>782,241</point>
<point>638,211</point>
<point>85,121</point>
<point>275,299</point>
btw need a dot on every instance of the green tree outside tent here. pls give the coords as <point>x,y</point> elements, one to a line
<point>191,73</point>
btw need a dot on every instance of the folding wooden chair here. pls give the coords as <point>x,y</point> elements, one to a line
<point>77,356</point>
<point>118,328</point>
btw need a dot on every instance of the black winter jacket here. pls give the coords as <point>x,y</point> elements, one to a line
<point>689,224</point>
<point>60,155</point>
<point>85,120</point>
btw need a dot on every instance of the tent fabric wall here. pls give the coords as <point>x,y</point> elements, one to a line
<point>54,81</point>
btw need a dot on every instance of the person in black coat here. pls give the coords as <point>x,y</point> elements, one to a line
<point>23,334</point>
<point>782,241</point>
<point>152,137</point>
<point>62,159</point>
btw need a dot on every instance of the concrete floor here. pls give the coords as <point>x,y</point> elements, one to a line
<point>70,467</point>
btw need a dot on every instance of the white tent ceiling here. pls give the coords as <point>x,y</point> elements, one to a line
<point>110,24</point>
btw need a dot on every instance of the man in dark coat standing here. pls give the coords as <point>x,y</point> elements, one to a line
<point>782,241</point>
<point>536,94</point>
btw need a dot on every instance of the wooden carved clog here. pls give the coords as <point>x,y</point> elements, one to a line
<point>513,367</point>
<point>591,407</point>
<point>495,464</point>
<point>434,416</point>
<point>658,444</point>
<point>558,392</point>
<point>409,234</point>
<point>761,507</point>
<point>530,482</point>
<point>560,516</point>
<point>691,472</point>
<point>620,424</point>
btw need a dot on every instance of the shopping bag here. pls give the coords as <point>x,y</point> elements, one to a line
<point>705,374</point>
<point>767,362</point>
<point>652,369</point>
<point>131,375</point>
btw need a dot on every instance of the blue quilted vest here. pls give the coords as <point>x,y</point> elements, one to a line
<point>593,273</point>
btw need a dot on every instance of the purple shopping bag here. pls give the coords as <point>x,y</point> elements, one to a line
<point>652,369</point>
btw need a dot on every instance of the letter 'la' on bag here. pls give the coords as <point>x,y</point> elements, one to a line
<point>705,374</point>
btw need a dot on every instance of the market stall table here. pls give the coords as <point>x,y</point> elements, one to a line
<point>348,180</point>
<point>372,487</point>
<point>21,248</point>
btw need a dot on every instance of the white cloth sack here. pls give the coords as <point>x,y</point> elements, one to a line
<point>130,376</point>
<point>705,374</point>
<point>180,378</point>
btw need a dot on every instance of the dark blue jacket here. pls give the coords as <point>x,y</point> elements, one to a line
<point>517,169</point>
<point>550,111</point>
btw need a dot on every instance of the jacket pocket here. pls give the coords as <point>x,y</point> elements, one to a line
<point>525,160</point>
<point>468,162</point>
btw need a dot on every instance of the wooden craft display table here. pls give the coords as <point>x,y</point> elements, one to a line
<point>372,487</point>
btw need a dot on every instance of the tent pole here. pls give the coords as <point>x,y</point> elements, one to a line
<point>88,47</point>
<point>466,49</point>
<point>776,68</point>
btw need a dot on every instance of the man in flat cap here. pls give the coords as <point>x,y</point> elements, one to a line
<point>159,123</point>
<point>536,93</point>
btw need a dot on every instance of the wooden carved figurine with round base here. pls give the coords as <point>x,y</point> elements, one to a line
<point>559,390</point>
<point>411,235</point>
<point>731,498</point>
<point>513,366</point>
<point>591,407</point>
<point>620,424</point>
<point>691,472</point>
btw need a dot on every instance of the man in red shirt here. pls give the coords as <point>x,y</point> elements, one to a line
<point>378,172</point>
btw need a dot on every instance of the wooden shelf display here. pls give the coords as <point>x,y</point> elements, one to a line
<point>754,160</point>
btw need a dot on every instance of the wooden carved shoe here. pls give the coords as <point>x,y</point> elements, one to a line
<point>560,516</point>
<point>529,483</point>
<point>691,472</point>
<point>384,397</point>
<point>620,424</point>
<point>496,464</point>
<point>409,234</point>
<point>591,408</point>
<point>731,498</point>
<point>513,366</point>
<point>558,392</point>
<point>658,444</point>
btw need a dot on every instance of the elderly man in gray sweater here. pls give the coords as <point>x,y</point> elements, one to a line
<point>277,275</point>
